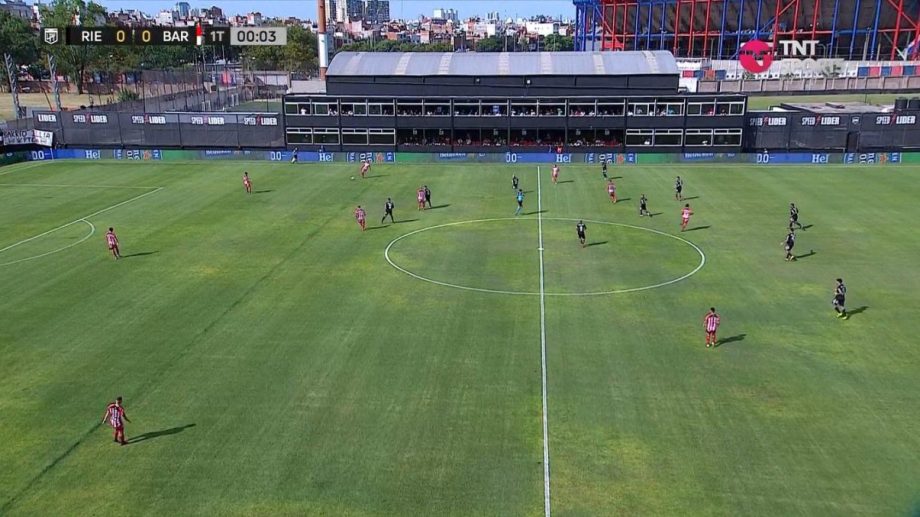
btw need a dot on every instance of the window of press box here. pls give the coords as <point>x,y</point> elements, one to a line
<point>641,109</point>
<point>727,137</point>
<point>581,109</point>
<point>639,137</point>
<point>381,136</point>
<point>610,109</point>
<point>380,108</point>
<point>350,109</point>
<point>730,108</point>
<point>354,136</point>
<point>698,137</point>
<point>411,108</point>
<point>523,108</point>
<point>671,137</point>
<point>669,108</point>
<point>552,108</point>
<point>297,108</point>
<point>495,108</point>
<point>701,108</point>
<point>437,108</point>
<point>325,136</point>
<point>324,108</point>
<point>300,136</point>
<point>466,109</point>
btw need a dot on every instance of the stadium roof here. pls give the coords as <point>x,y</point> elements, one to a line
<point>484,64</point>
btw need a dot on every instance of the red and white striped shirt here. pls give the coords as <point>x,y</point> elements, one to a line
<point>111,239</point>
<point>555,170</point>
<point>365,166</point>
<point>359,214</point>
<point>611,188</point>
<point>115,415</point>
<point>686,213</point>
<point>712,322</point>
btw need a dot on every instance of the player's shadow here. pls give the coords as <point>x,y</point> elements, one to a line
<point>621,199</point>
<point>656,213</point>
<point>731,339</point>
<point>375,176</point>
<point>805,255</point>
<point>689,198</point>
<point>528,191</point>
<point>616,177</point>
<point>156,434</point>
<point>598,243</point>
<point>262,191</point>
<point>369,228</point>
<point>697,228</point>
<point>406,221</point>
<point>140,254</point>
<point>439,206</point>
<point>567,181</point>
<point>807,226</point>
<point>858,310</point>
<point>535,212</point>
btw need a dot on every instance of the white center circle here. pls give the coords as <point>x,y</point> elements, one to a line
<point>386,255</point>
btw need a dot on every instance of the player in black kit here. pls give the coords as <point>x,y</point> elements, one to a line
<point>840,299</point>
<point>428,196</point>
<point>794,217</point>
<point>388,211</point>
<point>643,206</point>
<point>604,168</point>
<point>679,189</point>
<point>580,228</point>
<point>788,244</point>
<point>514,182</point>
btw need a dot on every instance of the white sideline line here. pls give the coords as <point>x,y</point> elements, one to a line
<point>56,185</point>
<point>75,221</point>
<point>14,168</point>
<point>546,501</point>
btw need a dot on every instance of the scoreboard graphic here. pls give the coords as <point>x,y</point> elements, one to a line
<point>197,35</point>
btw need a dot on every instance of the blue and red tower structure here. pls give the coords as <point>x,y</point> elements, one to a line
<point>716,29</point>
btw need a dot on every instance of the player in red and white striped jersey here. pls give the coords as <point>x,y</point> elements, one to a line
<point>116,417</point>
<point>711,322</point>
<point>112,241</point>
<point>365,167</point>
<point>685,214</point>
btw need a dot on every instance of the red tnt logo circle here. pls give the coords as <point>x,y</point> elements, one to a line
<point>756,56</point>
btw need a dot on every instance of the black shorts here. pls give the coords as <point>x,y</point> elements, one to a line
<point>642,206</point>
<point>840,300</point>
<point>679,189</point>
<point>521,204</point>
<point>581,235</point>
<point>789,247</point>
<point>794,218</point>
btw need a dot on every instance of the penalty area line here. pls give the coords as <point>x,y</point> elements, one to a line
<point>81,219</point>
<point>546,499</point>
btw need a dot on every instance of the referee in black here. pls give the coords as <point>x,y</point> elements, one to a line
<point>388,211</point>
<point>428,196</point>
<point>581,228</point>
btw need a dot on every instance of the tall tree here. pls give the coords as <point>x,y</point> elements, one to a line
<point>556,42</point>
<point>18,40</point>
<point>75,60</point>
<point>490,44</point>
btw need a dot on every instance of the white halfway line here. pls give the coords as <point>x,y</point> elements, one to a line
<point>75,221</point>
<point>546,500</point>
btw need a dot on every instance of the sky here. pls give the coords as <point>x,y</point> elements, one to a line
<point>405,9</point>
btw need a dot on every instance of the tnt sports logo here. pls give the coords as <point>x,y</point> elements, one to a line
<point>757,56</point>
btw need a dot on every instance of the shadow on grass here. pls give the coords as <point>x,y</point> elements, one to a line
<point>689,198</point>
<point>697,228</point>
<point>406,221</point>
<point>731,339</point>
<point>140,254</point>
<point>858,310</point>
<point>262,191</point>
<point>807,226</point>
<point>439,206</point>
<point>656,213</point>
<point>369,228</point>
<point>157,434</point>
<point>806,255</point>
<point>535,212</point>
<point>566,181</point>
<point>616,177</point>
<point>622,199</point>
<point>598,243</point>
<point>375,176</point>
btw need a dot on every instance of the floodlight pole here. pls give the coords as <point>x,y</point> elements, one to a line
<point>52,69</point>
<point>322,43</point>
<point>14,86</point>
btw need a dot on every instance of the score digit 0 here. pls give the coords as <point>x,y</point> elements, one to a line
<point>121,35</point>
<point>146,36</point>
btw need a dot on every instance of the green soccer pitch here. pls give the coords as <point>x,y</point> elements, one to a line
<point>274,360</point>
